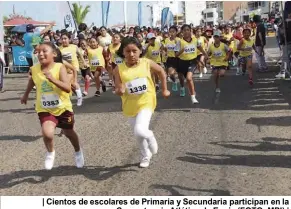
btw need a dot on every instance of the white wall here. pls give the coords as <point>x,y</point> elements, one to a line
<point>213,19</point>
<point>193,12</point>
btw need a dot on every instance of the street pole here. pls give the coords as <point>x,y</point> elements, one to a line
<point>125,14</point>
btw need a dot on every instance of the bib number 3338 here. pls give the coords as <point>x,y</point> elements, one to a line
<point>137,86</point>
<point>50,101</point>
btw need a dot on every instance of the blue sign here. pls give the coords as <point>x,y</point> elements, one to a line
<point>19,56</point>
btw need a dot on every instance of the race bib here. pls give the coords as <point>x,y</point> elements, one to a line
<point>95,62</point>
<point>137,86</point>
<point>248,48</point>
<point>189,49</point>
<point>217,54</point>
<point>118,60</point>
<point>50,100</point>
<point>171,47</point>
<point>155,53</point>
<point>67,56</point>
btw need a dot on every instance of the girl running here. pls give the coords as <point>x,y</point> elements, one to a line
<point>96,55</point>
<point>172,61</point>
<point>69,54</point>
<point>200,57</point>
<point>135,86</point>
<point>187,54</point>
<point>219,53</point>
<point>53,103</point>
<point>84,67</point>
<point>115,60</point>
<point>245,46</point>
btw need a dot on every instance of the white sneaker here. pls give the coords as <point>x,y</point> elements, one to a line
<point>145,161</point>
<point>200,75</point>
<point>280,75</point>
<point>49,160</point>
<point>194,100</point>
<point>79,159</point>
<point>217,90</point>
<point>153,145</point>
<point>204,70</point>
<point>238,72</point>
<point>79,101</point>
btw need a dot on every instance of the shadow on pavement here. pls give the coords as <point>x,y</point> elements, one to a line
<point>173,189</point>
<point>265,145</point>
<point>92,173</point>
<point>26,111</point>
<point>270,121</point>
<point>20,137</point>
<point>275,161</point>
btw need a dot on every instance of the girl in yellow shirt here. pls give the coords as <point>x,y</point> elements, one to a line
<point>96,55</point>
<point>69,54</point>
<point>200,57</point>
<point>245,46</point>
<point>53,103</point>
<point>219,53</point>
<point>135,86</point>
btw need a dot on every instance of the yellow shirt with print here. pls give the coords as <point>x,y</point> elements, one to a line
<point>96,58</point>
<point>69,54</point>
<point>218,55</point>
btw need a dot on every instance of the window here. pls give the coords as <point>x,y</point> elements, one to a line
<point>210,14</point>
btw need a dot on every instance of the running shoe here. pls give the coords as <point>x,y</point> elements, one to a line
<point>217,90</point>
<point>251,82</point>
<point>97,94</point>
<point>157,88</point>
<point>174,87</point>
<point>204,70</point>
<point>49,160</point>
<point>79,159</point>
<point>85,93</point>
<point>194,100</point>
<point>79,101</point>
<point>280,75</point>
<point>200,75</point>
<point>110,82</point>
<point>182,92</point>
<point>145,161</point>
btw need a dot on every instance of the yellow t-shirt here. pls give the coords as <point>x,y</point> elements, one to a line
<point>190,48</point>
<point>96,58</point>
<point>49,98</point>
<point>115,59</point>
<point>69,54</point>
<point>140,92</point>
<point>247,45</point>
<point>218,54</point>
<point>171,46</point>
<point>154,53</point>
<point>202,40</point>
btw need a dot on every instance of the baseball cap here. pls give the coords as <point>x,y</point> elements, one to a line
<point>151,36</point>
<point>217,33</point>
<point>29,27</point>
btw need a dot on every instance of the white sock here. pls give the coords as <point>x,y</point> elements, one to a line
<point>79,93</point>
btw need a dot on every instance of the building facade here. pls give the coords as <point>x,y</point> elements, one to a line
<point>193,12</point>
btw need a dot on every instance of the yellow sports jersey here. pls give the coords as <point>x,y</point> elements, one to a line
<point>49,98</point>
<point>218,55</point>
<point>69,54</point>
<point>247,46</point>
<point>154,53</point>
<point>190,49</point>
<point>96,58</point>
<point>140,90</point>
<point>170,45</point>
<point>115,59</point>
<point>202,40</point>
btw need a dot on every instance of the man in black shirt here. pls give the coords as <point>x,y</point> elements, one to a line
<point>260,43</point>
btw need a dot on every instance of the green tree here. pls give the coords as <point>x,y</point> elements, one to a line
<point>5,18</point>
<point>79,13</point>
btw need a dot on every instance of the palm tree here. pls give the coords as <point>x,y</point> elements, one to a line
<point>79,13</point>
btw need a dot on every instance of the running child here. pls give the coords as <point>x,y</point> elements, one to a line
<point>53,103</point>
<point>134,84</point>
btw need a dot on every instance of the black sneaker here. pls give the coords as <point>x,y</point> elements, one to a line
<point>110,82</point>
<point>157,88</point>
<point>97,94</point>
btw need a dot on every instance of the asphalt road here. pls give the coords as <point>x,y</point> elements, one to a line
<point>235,143</point>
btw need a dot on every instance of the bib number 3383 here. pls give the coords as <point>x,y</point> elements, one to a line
<point>137,86</point>
<point>50,101</point>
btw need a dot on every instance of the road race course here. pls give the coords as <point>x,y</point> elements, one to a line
<point>235,143</point>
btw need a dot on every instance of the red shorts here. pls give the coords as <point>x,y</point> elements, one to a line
<point>63,121</point>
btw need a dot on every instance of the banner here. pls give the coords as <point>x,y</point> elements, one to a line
<point>105,12</point>
<point>65,13</point>
<point>165,13</point>
<point>170,19</point>
<point>2,59</point>
<point>19,56</point>
<point>139,13</point>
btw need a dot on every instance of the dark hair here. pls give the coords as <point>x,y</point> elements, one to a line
<point>94,28</point>
<point>66,34</point>
<point>125,42</point>
<point>103,27</point>
<point>48,36</point>
<point>174,28</point>
<point>80,40</point>
<point>59,57</point>
<point>185,26</point>
<point>82,27</point>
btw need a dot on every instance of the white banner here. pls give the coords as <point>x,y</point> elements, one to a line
<point>158,202</point>
<point>65,15</point>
